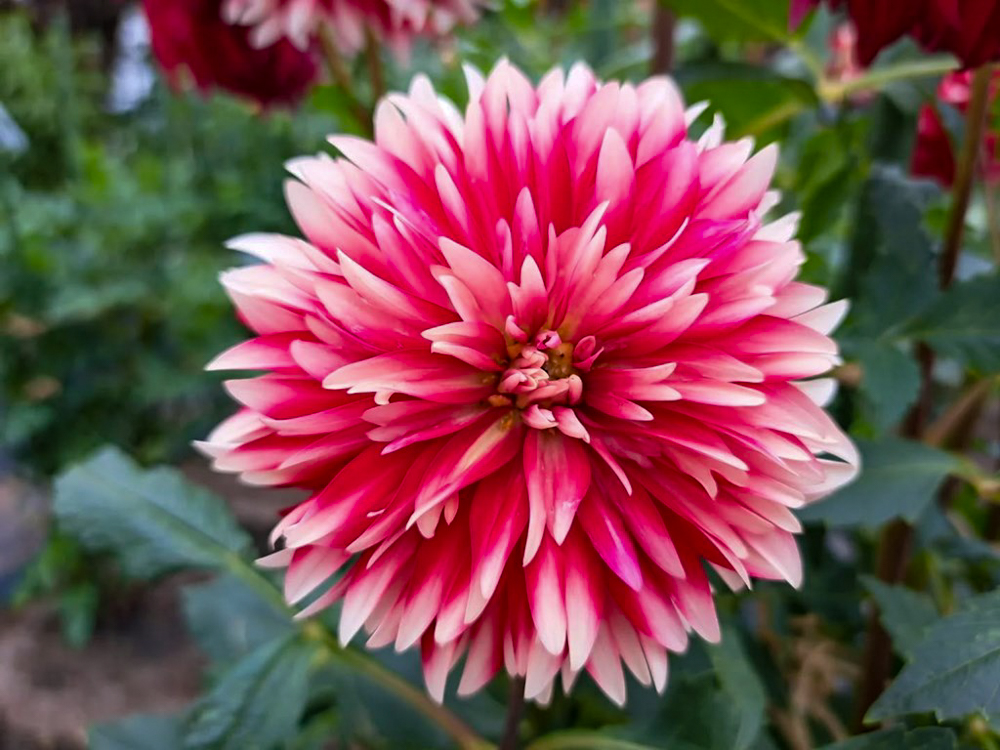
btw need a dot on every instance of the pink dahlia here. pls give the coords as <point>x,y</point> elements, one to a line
<point>536,364</point>
<point>393,21</point>
<point>190,38</point>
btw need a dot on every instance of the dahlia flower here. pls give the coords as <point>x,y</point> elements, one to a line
<point>392,21</point>
<point>536,364</point>
<point>189,37</point>
<point>969,29</point>
<point>934,153</point>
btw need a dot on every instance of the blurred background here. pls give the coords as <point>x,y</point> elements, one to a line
<point>117,193</point>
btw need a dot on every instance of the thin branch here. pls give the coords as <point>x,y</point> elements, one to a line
<point>874,80</point>
<point>663,32</point>
<point>463,735</point>
<point>342,77</point>
<point>375,72</point>
<point>515,710</point>
<point>975,127</point>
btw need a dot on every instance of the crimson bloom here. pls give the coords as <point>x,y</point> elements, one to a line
<point>969,29</point>
<point>934,153</point>
<point>392,21</point>
<point>536,365</point>
<point>189,37</point>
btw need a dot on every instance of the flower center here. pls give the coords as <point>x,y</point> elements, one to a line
<point>544,370</point>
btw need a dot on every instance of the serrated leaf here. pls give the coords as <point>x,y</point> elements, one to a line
<point>955,669</point>
<point>152,519</point>
<point>928,738</point>
<point>229,619</point>
<point>891,382</point>
<point>892,267</point>
<point>741,683</point>
<point>906,614</point>
<point>257,703</point>
<point>899,479</point>
<point>965,323</point>
<point>139,732</point>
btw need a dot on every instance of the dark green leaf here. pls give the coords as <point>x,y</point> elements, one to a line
<point>891,382</point>
<point>891,271</point>
<point>930,738</point>
<point>965,323</point>
<point>906,614</point>
<point>140,732</point>
<point>696,715</point>
<point>229,619</point>
<point>257,704</point>
<point>741,683</point>
<point>154,520</point>
<point>955,670</point>
<point>898,479</point>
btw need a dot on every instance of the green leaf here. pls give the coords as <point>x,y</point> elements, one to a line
<point>741,683</point>
<point>758,20</point>
<point>899,479</point>
<point>955,670</point>
<point>139,732</point>
<point>229,619</point>
<point>257,704</point>
<point>906,614</point>
<point>154,520</point>
<point>891,269</point>
<point>777,98</point>
<point>929,738</point>
<point>965,323</point>
<point>696,715</point>
<point>891,382</point>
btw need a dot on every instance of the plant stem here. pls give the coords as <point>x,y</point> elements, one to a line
<point>374,65</point>
<point>583,741</point>
<point>896,541</point>
<point>663,28</point>
<point>836,91</point>
<point>342,77</point>
<point>515,710</point>
<point>454,727</point>
<point>975,127</point>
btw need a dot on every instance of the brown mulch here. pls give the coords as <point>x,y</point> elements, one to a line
<point>140,659</point>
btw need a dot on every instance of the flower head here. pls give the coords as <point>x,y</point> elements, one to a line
<point>934,153</point>
<point>189,37</point>
<point>536,364</point>
<point>392,21</point>
<point>969,29</point>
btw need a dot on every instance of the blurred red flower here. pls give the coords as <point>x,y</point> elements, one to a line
<point>934,154</point>
<point>969,29</point>
<point>190,35</point>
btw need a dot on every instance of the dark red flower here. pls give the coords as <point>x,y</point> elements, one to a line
<point>934,153</point>
<point>191,36</point>
<point>969,29</point>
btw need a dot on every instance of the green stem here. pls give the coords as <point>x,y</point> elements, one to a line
<point>874,80</point>
<point>465,737</point>
<point>583,741</point>
<point>375,65</point>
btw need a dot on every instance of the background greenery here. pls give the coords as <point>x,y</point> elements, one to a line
<point>113,225</point>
